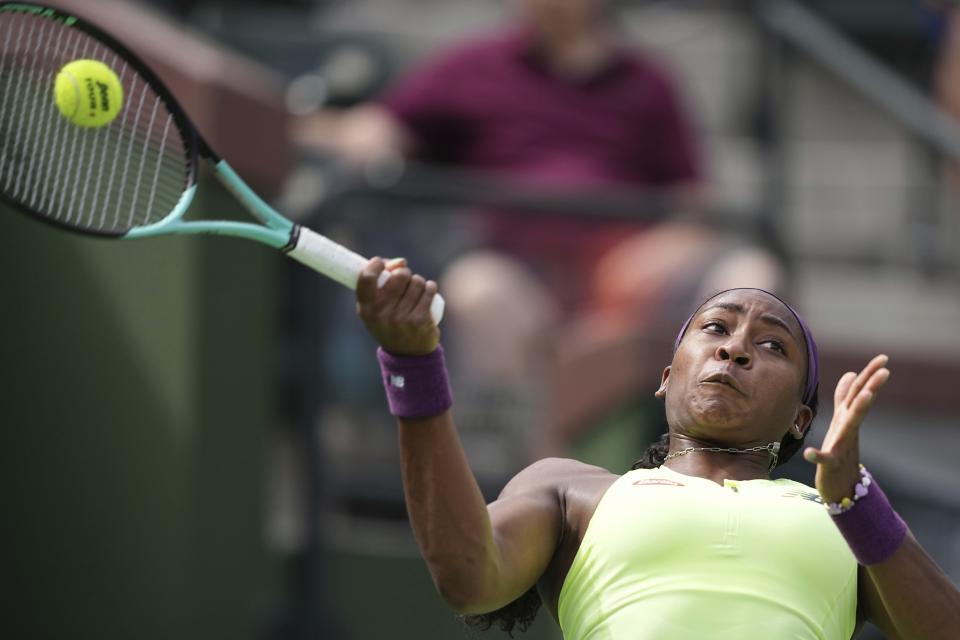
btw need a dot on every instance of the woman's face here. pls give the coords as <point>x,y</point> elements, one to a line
<point>737,377</point>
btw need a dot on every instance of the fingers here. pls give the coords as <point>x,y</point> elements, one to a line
<point>854,397</point>
<point>849,416</point>
<point>838,456</point>
<point>819,456</point>
<point>393,290</point>
<point>864,376</point>
<point>388,291</point>
<point>421,312</point>
<point>380,285</point>
<point>867,396</point>
<point>843,387</point>
<point>394,305</point>
<point>414,307</point>
<point>367,282</point>
<point>856,404</point>
<point>877,380</point>
<point>396,263</point>
<point>370,275</point>
<point>411,296</point>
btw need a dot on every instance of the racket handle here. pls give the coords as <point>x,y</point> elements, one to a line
<point>340,264</point>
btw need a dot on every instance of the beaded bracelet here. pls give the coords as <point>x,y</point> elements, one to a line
<point>860,490</point>
<point>873,530</point>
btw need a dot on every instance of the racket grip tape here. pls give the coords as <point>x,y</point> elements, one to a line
<point>339,263</point>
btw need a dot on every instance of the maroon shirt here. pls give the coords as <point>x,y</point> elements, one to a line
<point>490,104</point>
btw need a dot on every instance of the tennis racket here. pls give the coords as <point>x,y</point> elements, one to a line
<point>134,177</point>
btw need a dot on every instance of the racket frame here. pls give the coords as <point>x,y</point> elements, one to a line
<point>300,243</point>
<point>279,232</point>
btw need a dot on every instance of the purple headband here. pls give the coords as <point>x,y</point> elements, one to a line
<point>813,358</point>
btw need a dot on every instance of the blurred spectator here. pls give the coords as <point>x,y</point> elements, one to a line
<point>554,99</point>
<point>944,28</point>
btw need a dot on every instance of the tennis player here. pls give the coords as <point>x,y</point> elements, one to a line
<point>697,541</point>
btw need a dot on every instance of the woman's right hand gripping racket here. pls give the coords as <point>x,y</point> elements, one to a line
<point>92,141</point>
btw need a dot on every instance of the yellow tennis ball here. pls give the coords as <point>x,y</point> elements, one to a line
<point>88,93</point>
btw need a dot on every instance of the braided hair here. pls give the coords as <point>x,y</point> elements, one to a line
<point>516,616</point>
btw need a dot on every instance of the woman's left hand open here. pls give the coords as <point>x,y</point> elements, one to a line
<point>838,458</point>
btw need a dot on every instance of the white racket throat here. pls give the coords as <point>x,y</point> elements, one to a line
<point>341,264</point>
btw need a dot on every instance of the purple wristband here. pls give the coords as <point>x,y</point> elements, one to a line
<point>872,528</point>
<point>417,386</point>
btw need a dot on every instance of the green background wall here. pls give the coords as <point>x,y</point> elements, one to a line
<point>136,394</point>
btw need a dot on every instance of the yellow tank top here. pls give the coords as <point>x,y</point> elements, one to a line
<point>674,557</point>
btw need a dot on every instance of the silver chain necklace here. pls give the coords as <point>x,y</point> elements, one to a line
<point>773,449</point>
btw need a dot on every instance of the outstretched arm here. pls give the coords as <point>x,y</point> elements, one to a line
<point>479,559</point>
<point>909,597</point>
<point>905,593</point>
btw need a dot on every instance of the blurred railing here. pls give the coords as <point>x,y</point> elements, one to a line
<point>933,233</point>
<point>886,89</point>
<point>404,208</point>
<point>406,182</point>
<point>937,253</point>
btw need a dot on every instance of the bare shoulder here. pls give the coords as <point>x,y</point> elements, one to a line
<point>559,474</point>
<point>574,489</point>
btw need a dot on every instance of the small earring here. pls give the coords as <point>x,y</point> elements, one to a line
<point>799,430</point>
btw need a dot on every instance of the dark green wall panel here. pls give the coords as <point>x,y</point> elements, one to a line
<point>136,395</point>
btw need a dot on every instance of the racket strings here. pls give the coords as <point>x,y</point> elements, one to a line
<point>110,179</point>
